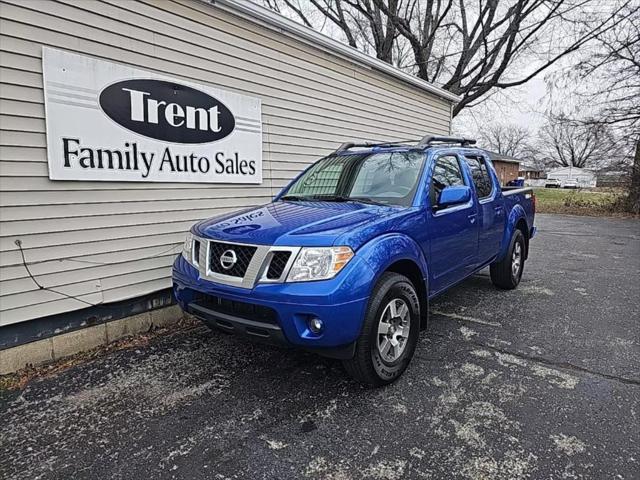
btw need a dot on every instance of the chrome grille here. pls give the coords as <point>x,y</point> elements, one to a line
<point>243,253</point>
<point>278,263</point>
<point>254,263</point>
<point>196,251</point>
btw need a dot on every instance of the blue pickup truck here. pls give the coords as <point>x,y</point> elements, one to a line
<point>343,262</point>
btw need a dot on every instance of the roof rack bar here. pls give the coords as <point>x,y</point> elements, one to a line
<point>425,142</point>
<point>347,145</point>
<point>431,139</point>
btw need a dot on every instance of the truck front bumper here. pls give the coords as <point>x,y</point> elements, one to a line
<point>280,313</point>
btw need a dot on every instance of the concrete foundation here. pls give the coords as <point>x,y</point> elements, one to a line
<point>60,346</point>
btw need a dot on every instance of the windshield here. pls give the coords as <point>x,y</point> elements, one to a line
<point>387,178</point>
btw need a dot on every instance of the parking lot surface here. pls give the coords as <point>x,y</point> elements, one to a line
<point>539,382</point>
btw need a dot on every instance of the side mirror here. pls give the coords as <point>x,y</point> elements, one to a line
<point>454,195</point>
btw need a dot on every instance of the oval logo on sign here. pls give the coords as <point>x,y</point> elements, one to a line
<point>167,111</point>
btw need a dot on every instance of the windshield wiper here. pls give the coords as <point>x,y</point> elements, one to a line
<point>343,198</point>
<point>294,198</point>
<point>368,200</point>
<point>333,198</point>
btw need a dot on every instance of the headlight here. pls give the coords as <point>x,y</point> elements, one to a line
<point>319,263</point>
<point>186,248</point>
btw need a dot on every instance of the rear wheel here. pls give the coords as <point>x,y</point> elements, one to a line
<point>389,334</point>
<point>507,272</point>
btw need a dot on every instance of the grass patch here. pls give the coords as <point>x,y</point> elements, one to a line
<point>579,202</point>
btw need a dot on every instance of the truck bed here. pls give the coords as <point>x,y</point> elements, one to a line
<point>514,190</point>
<point>522,196</point>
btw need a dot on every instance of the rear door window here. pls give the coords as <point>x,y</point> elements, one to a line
<point>480,175</point>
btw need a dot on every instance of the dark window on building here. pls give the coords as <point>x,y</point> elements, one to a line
<point>480,175</point>
<point>446,172</point>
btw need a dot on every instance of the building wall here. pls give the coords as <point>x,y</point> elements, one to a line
<point>531,174</point>
<point>107,241</point>
<point>583,177</point>
<point>506,171</point>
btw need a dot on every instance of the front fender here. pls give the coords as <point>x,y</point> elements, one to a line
<point>383,251</point>
<point>516,214</point>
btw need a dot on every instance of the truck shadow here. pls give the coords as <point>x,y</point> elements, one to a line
<point>256,368</point>
<point>469,290</point>
<point>265,366</point>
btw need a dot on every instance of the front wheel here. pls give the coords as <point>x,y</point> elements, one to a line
<point>506,273</point>
<point>390,332</point>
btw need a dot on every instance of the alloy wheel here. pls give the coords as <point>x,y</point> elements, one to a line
<point>393,330</point>
<point>516,259</point>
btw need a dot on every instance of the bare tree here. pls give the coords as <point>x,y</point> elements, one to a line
<point>506,139</point>
<point>610,78</point>
<point>612,69</point>
<point>382,28</point>
<point>470,47</point>
<point>568,143</point>
<point>363,24</point>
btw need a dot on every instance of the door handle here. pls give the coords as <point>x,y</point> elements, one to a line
<point>499,210</point>
<point>472,217</point>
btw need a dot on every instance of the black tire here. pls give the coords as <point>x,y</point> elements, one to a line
<point>369,366</point>
<point>504,274</point>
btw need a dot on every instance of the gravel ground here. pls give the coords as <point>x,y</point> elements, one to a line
<point>540,382</point>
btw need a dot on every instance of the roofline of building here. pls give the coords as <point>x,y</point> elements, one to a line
<point>280,23</point>
<point>507,160</point>
<point>498,157</point>
<point>571,167</point>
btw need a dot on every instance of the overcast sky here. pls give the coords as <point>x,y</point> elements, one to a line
<point>523,106</point>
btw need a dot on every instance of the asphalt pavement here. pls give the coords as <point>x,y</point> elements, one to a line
<point>539,382</point>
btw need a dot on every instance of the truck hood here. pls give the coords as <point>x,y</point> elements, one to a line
<point>294,223</point>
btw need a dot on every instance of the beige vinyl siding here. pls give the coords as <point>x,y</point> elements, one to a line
<point>108,241</point>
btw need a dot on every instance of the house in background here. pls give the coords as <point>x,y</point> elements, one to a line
<point>531,173</point>
<point>506,167</point>
<point>533,176</point>
<point>583,177</point>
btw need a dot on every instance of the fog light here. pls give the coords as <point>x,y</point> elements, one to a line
<point>316,325</point>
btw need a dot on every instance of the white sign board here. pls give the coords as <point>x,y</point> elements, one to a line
<point>110,122</point>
